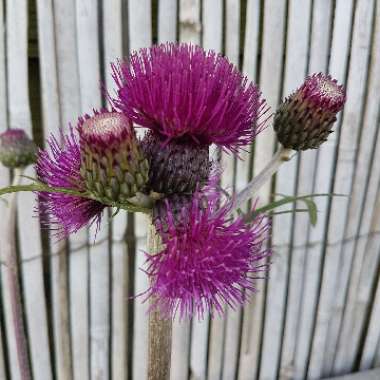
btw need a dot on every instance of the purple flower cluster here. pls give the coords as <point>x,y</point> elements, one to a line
<point>188,99</point>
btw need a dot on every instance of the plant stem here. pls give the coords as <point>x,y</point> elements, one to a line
<point>282,155</point>
<point>160,329</point>
<point>14,286</point>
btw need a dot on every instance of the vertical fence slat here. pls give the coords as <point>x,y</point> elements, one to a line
<point>323,177</point>
<point>319,46</point>
<point>319,49</point>
<point>290,275</point>
<point>87,18</point>
<point>212,25</point>
<point>51,124</point>
<point>140,35</point>
<point>113,49</point>
<point>29,227</point>
<point>69,99</point>
<point>352,261</point>
<point>342,181</point>
<point>4,181</point>
<point>368,251</point>
<point>371,350</point>
<point>253,313</point>
<point>212,32</point>
<point>270,83</point>
<point>120,296</point>
<point>167,20</point>
<point>232,317</point>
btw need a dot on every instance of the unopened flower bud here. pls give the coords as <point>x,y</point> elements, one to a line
<point>17,150</point>
<point>113,165</point>
<point>175,166</point>
<point>304,120</point>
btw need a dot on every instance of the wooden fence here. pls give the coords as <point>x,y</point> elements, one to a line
<point>318,314</point>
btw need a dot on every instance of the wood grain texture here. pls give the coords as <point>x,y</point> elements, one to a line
<point>317,314</point>
<point>29,228</point>
<point>323,177</point>
<point>5,330</point>
<point>342,184</point>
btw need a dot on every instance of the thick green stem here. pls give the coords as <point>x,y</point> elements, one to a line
<point>160,329</point>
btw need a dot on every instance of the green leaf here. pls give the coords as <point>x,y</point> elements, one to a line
<point>306,199</point>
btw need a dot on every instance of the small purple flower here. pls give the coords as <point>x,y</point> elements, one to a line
<point>185,93</point>
<point>61,168</point>
<point>209,261</point>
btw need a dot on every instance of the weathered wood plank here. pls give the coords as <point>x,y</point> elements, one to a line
<point>319,44</point>
<point>270,78</point>
<point>253,313</point>
<point>342,181</point>
<point>140,35</point>
<point>99,257</point>
<point>4,181</point>
<point>212,28</point>
<point>323,177</point>
<point>345,318</point>
<point>113,49</point>
<point>233,317</point>
<point>69,102</point>
<point>29,227</point>
<point>167,21</point>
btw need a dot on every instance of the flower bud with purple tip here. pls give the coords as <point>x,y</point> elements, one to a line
<point>305,118</point>
<point>17,150</point>
<point>112,163</point>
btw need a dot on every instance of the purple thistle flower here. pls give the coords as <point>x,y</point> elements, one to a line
<point>183,92</point>
<point>208,261</point>
<point>61,168</point>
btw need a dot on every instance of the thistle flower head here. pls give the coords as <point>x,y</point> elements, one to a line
<point>304,120</point>
<point>16,149</point>
<point>175,167</point>
<point>209,261</point>
<point>60,167</point>
<point>183,92</point>
<point>112,163</point>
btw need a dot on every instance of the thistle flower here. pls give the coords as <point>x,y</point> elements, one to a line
<point>61,168</point>
<point>17,150</point>
<point>175,167</point>
<point>208,260</point>
<point>304,120</point>
<point>112,163</point>
<point>182,92</point>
